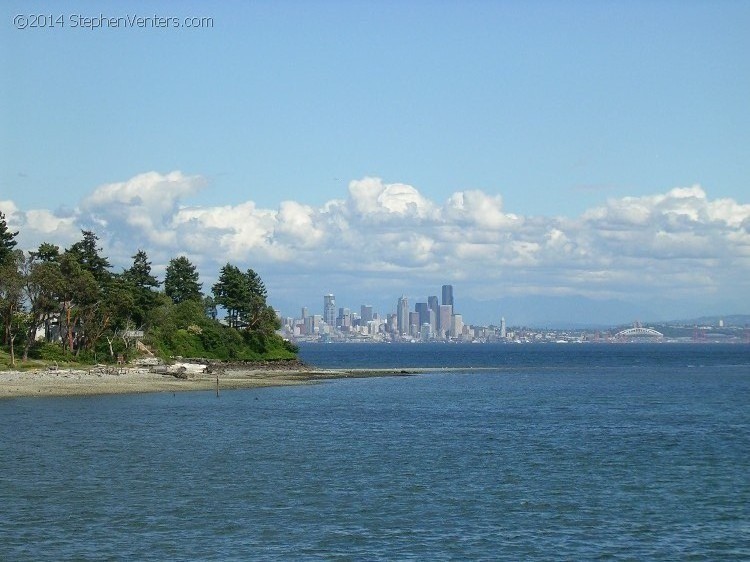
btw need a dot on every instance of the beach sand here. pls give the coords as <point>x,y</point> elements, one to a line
<point>127,380</point>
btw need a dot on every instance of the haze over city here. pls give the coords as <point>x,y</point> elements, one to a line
<point>550,161</point>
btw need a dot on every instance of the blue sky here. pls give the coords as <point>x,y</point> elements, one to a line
<point>550,109</point>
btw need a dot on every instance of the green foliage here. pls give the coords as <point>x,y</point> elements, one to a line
<point>87,254</point>
<point>7,240</point>
<point>141,284</point>
<point>181,281</point>
<point>184,330</point>
<point>51,352</point>
<point>93,307</point>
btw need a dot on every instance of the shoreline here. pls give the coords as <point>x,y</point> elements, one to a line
<point>137,380</point>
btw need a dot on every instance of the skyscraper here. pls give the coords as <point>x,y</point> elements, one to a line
<point>424,312</point>
<point>448,294</point>
<point>444,320</point>
<point>329,309</point>
<point>366,313</point>
<point>434,306</point>
<point>402,311</point>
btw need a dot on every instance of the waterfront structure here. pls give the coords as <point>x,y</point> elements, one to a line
<point>329,309</point>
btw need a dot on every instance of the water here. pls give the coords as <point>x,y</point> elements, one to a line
<point>589,452</point>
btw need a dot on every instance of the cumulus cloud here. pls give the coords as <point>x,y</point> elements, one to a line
<point>679,242</point>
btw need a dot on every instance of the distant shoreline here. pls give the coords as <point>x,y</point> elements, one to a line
<point>136,380</point>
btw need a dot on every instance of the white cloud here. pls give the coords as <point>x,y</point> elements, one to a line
<point>676,243</point>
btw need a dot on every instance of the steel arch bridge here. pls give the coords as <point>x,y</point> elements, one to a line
<point>639,333</point>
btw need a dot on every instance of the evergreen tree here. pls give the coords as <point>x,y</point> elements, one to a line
<point>42,283</point>
<point>232,291</point>
<point>142,285</point>
<point>7,240</point>
<point>87,254</point>
<point>181,281</point>
<point>47,252</point>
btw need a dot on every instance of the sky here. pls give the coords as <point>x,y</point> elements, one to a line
<point>594,155</point>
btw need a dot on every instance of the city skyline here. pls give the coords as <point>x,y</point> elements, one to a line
<point>579,161</point>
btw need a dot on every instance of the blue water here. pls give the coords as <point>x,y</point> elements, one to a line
<point>622,452</point>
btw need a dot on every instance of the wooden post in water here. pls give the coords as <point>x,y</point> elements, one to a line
<point>217,386</point>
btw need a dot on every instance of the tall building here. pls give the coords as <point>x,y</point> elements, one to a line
<point>423,310</point>
<point>366,313</point>
<point>448,295</point>
<point>444,320</point>
<point>344,319</point>
<point>402,312</point>
<point>414,324</point>
<point>329,309</point>
<point>434,306</point>
<point>457,326</point>
<point>503,331</point>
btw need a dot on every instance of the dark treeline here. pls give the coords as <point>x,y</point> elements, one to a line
<point>68,304</point>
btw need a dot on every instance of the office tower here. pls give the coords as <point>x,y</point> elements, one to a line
<point>444,320</point>
<point>448,294</point>
<point>304,312</point>
<point>424,312</point>
<point>402,312</point>
<point>426,332</point>
<point>434,306</point>
<point>457,326</point>
<point>503,332</point>
<point>414,324</point>
<point>344,319</point>
<point>366,312</point>
<point>329,309</point>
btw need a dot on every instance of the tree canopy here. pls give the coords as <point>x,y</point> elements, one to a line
<point>181,281</point>
<point>70,304</point>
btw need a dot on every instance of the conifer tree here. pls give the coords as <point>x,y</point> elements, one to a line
<point>181,281</point>
<point>142,285</point>
<point>7,240</point>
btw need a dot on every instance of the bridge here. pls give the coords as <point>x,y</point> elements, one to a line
<point>638,333</point>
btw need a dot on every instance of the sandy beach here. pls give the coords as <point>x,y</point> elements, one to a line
<point>127,380</point>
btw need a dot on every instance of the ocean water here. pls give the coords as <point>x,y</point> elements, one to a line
<point>550,452</point>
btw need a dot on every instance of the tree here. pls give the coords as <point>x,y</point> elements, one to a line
<point>47,252</point>
<point>11,297</point>
<point>42,283</point>
<point>243,295</point>
<point>232,291</point>
<point>142,285</point>
<point>256,313</point>
<point>7,240</point>
<point>77,291</point>
<point>181,281</point>
<point>87,254</point>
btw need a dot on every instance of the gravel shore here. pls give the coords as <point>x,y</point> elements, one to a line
<point>127,380</point>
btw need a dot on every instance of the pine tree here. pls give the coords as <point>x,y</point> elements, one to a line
<point>142,284</point>
<point>87,254</point>
<point>181,281</point>
<point>7,240</point>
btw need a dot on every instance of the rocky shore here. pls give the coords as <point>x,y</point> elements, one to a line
<point>178,377</point>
